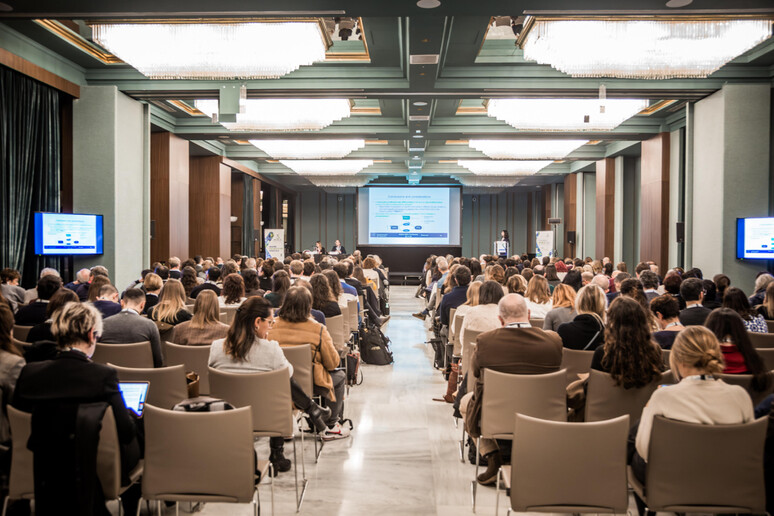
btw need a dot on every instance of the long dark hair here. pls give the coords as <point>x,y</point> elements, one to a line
<point>631,357</point>
<point>736,300</point>
<point>321,291</point>
<point>280,283</point>
<point>725,323</point>
<point>333,282</point>
<point>491,292</point>
<point>241,333</point>
<point>188,279</point>
<point>574,279</point>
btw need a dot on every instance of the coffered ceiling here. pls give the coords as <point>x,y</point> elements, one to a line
<point>415,118</point>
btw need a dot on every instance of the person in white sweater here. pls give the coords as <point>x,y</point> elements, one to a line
<point>484,316</point>
<point>698,398</point>
<point>538,297</point>
<point>246,349</point>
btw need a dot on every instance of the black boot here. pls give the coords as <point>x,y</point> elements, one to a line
<point>278,461</point>
<point>489,477</point>
<point>319,416</point>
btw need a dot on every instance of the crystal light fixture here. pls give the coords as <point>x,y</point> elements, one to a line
<point>340,167</point>
<point>641,48</point>
<point>503,168</point>
<point>278,115</point>
<point>565,114</point>
<point>308,149</point>
<point>526,149</point>
<point>226,50</point>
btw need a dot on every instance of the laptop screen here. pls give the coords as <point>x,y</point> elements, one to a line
<point>134,394</point>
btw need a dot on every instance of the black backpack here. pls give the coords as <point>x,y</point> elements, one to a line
<point>374,346</point>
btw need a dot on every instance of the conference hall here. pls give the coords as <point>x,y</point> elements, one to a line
<point>345,257</point>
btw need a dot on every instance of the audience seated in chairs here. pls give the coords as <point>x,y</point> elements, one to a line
<point>694,313</point>
<point>280,285</point>
<point>233,292</point>
<point>629,355</point>
<point>335,287</point>
<point>152,285</point>
<point>94,272</point>
<point>739,354</point>
<point>295,327</point>
<point>53,390</point>
<point>538,297</point>
<point>42,332</point>
<point>10,289</point>
<point>697,398</point>
<point>252,287</point>
<point>246,348</point>
<point>322,296</point>
<point>171,306</point>
<point>515,348</point>
<point>485,315</point>
<point>737,301</point>
<point>128,326</point>
<point>211,283</point>
<point>205,326</point>
<point>11,363</point>
<point>107,301</point>
<point>667,312</point>
<point>96,286</point>
<point>563,307</point>
<point>587,330</point>
<point>189,280</point>
<point>35,312</point>
<point>766,308</point>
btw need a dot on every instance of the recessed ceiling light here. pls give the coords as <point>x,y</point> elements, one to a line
<point>5,7</point>
<point>417,136</point>
<point>418,131</point>
<point>420,103</point>
<point>416,157</point>
<point>428,4</point>
<point>678,3</point>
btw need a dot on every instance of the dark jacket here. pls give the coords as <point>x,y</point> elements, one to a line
<point>580,333</point>
<point>40,332</point>
<point>151,300</point>
<point>107,308</point>
<point>511,350</point>
<point>204,286</point>
<point>330,309</point>
<point>31,314</point>
<point>694,316</point>
<point>453,299</point>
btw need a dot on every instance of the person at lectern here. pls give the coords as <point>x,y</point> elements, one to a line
<point>338,248</point>
<point>504,236</point>
<point>503,249</point>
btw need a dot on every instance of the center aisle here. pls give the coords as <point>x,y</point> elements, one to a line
<point>402,457</point>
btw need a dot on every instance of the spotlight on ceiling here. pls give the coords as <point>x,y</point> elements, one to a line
<point>428,4</point>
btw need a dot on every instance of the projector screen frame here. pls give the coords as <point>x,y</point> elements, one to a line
<point>362,216</point>
<point>740,240</point>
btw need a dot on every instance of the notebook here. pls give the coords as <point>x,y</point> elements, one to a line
<point>134,395</point>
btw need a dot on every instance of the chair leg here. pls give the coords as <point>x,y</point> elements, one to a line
<point>120,506</point>
<point>474,484</point>
<point>497,493</point>
<point>304,481</point>
<point>139,504</point>
<point>5,505</point>
<point>462,445</point>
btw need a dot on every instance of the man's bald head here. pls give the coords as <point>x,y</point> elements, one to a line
<point>512,308</point>
<point>601,281</point>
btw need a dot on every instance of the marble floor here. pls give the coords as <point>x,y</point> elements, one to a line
<point>402,457</point>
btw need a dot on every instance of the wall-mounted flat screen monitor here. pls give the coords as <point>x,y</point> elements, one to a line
<point>68,234</point>
<point>755,238</point>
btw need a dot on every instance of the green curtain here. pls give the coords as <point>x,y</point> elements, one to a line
<point>30,168</point>
<point>247,217</point>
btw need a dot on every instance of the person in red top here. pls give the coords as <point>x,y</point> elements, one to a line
<point>738,352</point>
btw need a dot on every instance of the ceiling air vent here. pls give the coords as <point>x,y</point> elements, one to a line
<point>424,59</point>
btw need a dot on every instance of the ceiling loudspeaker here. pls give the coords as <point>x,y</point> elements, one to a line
<point>554,221</point>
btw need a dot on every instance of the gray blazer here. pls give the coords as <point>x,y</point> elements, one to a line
<point>10,368</point>
<point>126,327</point>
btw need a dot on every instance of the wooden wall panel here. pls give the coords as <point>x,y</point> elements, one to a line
<point>207,219</point>
<point>605,213</point>
<point>654,195</point>
<point>256,248</point>
<point>237,202</point>
<point>570,206</point>
<point>34,71</point>
<point>169,196</point>
<point>547,207</point>
<point>224,210</point>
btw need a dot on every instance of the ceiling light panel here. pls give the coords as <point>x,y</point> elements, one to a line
<point>526,149</point>
<point>503,168</point>
<point>565,114</point>
<point>254,50</point>
<point>642,48</point>
<point>340,167</point>
<point>279,115</point>
<point>308,149</point>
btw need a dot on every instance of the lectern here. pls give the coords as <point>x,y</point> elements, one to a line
<point>501,248</point>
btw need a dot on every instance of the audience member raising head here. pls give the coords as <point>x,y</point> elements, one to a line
<point>205,326</point>
<point>629,355</point>
<point>738,302</point>
<point>739,354</point>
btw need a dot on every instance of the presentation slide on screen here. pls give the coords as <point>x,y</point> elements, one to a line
<point>67,233</point>
<point>411,216</point>
<point>758,239</point>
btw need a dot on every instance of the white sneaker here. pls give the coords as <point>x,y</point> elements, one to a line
<point>337,432</point>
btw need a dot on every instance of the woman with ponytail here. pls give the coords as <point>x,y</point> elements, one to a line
<point>698,397</point>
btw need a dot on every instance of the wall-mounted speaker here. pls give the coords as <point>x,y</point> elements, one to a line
<point>554,221</point>
<point>153,229</point>
<point>680,232</point>
<point>571,237</point>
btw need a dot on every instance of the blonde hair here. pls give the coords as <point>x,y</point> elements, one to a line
<point>72,323</point>
<point>473,290</point>
<point>591,300</point>
<point>206,309</point>
<point>171,301</point>
<point>564,296</point>
<point>537,290</point>
<point>696,346</point>
<point>152,282</point>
